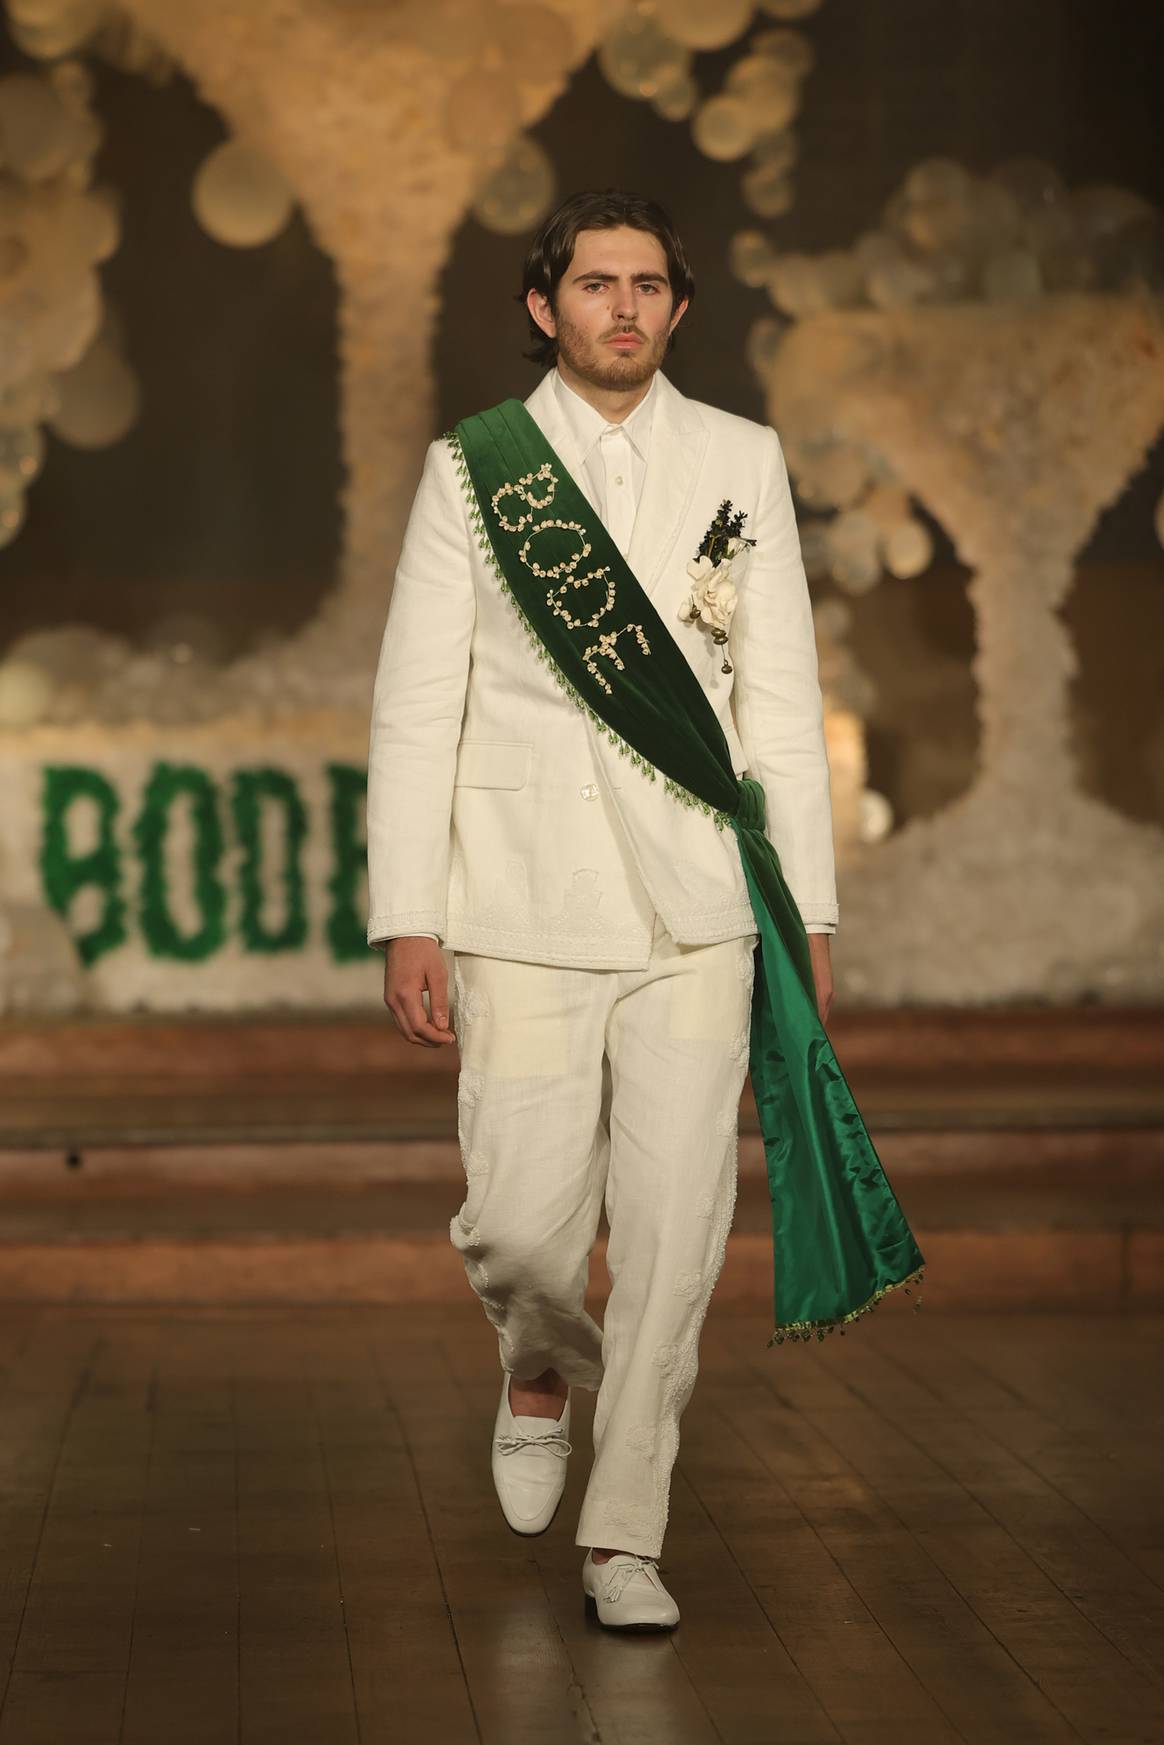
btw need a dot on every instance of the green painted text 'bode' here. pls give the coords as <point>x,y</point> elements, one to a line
<point>271,909</point>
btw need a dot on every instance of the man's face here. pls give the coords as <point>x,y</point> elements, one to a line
<point>614,308</point>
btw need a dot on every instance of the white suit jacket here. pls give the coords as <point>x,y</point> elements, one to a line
<point>499,818</point>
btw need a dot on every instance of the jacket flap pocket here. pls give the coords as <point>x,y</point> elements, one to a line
<point>492,763</point>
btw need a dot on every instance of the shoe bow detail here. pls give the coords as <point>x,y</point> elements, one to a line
<point>629,1564</point>
<point>552,1441</point>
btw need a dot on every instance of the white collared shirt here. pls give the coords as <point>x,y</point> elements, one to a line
<point>613,457</point>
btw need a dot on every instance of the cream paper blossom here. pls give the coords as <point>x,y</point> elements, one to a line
<point>712,599</point>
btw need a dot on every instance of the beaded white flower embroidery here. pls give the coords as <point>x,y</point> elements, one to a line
<point>565,572</point>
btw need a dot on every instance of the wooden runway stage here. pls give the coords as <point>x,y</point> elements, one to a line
<point>278,1528</point>
<point>247,1402</point>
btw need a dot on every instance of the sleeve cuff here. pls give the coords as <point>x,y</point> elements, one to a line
<point>418,923</point>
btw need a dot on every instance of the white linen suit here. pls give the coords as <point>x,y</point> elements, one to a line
<point>480,828</point>
<point>601,934</point>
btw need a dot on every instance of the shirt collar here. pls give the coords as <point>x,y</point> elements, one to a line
<point>587,423</point>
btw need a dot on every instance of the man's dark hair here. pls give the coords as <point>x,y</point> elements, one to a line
<point>552,250</point>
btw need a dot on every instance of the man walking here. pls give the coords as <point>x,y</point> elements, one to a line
<point>601,920</point>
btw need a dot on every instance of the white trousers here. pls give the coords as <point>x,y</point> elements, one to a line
<point>578,1085</point>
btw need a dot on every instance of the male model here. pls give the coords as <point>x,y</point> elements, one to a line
<point>600,922</point>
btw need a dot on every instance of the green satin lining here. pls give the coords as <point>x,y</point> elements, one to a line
<point>840,1240</point>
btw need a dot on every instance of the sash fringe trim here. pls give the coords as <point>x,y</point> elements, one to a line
<point>805,1330</point>
<point>675,789</point>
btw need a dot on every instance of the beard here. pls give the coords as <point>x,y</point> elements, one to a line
<point>602,368</point>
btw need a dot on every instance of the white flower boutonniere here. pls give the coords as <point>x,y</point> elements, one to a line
<point>712,599</point>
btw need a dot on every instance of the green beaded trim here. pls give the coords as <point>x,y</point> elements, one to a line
<point>477,521</point>
<point>793,1330</point>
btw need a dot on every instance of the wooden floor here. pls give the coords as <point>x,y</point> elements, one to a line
<point>279,1526</point>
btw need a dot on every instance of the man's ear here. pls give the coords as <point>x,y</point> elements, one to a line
<point>678,314</point>
<point>541,311</point>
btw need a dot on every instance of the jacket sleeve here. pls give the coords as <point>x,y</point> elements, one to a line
<point>418,704</point>
<point>777,700</point>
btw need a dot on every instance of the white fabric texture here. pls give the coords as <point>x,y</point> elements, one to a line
<point>500,819</point>
<point>580,1085</point>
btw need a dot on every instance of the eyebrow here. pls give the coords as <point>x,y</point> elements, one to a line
<point>610,278</point>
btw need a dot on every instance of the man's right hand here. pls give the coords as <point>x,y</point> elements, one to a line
<point>410,966</point>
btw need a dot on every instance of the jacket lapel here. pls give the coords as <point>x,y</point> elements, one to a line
<point>678,445</point>
<point>542,406</point>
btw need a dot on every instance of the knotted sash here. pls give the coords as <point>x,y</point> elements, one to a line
<point>840,1239</point>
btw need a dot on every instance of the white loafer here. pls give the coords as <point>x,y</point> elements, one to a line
<point>529,1464</point>
<point>627,1593</point>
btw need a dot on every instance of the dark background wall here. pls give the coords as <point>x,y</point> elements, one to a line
<point>223,501</point>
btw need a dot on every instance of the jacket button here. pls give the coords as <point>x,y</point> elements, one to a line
<point>589,790</point>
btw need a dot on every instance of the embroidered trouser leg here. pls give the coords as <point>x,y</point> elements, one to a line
<point>542,1145</point>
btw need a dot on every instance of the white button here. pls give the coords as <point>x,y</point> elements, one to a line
<point>618,478</point>
<point>589,790</point>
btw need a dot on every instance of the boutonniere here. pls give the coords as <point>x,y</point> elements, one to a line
<point>712,599</point>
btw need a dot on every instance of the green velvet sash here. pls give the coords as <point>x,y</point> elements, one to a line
<point>840,1238</point>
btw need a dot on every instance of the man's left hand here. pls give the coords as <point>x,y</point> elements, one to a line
<point>822,972</point>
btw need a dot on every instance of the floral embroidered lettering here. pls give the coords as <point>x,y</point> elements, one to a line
<point>565,570</point>
<point>521,489</point>
<point>605,646</point>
